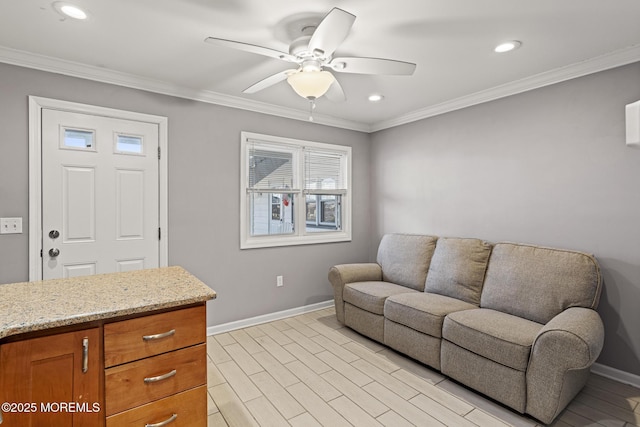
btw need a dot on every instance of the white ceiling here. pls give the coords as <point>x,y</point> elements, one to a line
<point>159,45</point>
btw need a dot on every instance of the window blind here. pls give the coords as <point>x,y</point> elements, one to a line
<point>270,167</point>
<point>324,172</point>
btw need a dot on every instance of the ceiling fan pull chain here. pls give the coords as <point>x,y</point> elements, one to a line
<point>312,106</point>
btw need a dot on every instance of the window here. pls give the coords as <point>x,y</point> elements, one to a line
<point>293,192</point>
<point>77,139</point>
<point>323,213</point>
<point>127,144</point>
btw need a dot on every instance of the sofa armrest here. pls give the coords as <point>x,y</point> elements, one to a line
<point>561,355</point>
<point>340,275</point>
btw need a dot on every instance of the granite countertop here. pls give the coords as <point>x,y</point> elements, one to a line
<point>34,306</point>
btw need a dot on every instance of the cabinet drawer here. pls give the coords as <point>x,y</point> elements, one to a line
<point>146,380</point>
<point>142,337</point>
<point>189,407</point>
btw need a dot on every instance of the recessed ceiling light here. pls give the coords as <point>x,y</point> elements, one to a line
<point>376,97</point>
<point>507,46</point>
<point>70,10</point>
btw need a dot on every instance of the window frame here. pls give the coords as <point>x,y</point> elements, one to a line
<point>299,236</point>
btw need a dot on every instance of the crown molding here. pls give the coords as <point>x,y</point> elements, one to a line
<point>600,63</point>
<point>103,75</point>
<point>45,63</point>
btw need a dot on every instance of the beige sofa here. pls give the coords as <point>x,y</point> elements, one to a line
<point>515,322</point>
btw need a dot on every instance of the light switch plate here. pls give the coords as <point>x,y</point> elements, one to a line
<point>10,225</point>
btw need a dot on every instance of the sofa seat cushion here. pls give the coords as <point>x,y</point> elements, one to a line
<point>423,312</point>
<point>370,296</point>
<point>501,337</point>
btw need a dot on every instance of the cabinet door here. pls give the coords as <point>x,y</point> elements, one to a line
<point>52,380</point>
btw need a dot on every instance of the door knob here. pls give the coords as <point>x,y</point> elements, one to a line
<point>54,234</point>
<point>54,252</point>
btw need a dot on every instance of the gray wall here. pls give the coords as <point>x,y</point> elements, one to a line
<point>204,193</point>
<point>548,167</point>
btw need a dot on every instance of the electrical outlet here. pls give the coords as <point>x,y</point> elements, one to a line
<point>279,281</point>
<point>10,225</point>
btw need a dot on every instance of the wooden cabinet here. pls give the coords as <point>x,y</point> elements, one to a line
<point>185,409</point>
<point>143,370</point>
<point>156,370</point>
<point>53,380</point>
<point>146,336</point>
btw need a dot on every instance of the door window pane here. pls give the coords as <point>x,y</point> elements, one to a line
<point>126,144</point>
<point>275,207</point>
<point>79,139</point>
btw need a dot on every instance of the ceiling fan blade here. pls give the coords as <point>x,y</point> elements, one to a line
<point>335,92</point>
<point>372,66</point>
<point>331,31</point>
<point>247,47</point>
<point>269,81</point>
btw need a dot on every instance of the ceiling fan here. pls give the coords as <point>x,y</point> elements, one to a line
<point>312,52</point>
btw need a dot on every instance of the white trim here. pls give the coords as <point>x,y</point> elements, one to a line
<point>36,104</point>
<point>593,65</point>
<point>35,190</point>
<point>265,318</point>
<point>75,69</point>
<point>616,374</point>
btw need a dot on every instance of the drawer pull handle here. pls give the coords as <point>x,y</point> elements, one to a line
<point>158,336</point>
<point>160,377</point>
<point>171,419</point>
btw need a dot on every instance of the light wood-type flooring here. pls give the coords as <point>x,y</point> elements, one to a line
<point>309,371</point>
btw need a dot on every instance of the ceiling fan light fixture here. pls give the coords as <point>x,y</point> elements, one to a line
<point>507,46</point>
<point>311,84</point>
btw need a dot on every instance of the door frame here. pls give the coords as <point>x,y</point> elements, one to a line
<point>36,105</point>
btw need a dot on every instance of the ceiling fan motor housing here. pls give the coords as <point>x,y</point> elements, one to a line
<point>300,49</point>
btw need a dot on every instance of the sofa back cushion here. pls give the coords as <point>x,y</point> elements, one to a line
<point>539,283</point>
<point>405,258</point>
<point>457,268</point>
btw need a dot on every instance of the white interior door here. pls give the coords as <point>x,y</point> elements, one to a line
<point>100,194</point>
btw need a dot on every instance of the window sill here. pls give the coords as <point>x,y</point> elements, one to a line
<point>278,241</point>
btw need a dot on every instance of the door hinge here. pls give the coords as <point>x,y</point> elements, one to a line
<point>159,233</point>
<point>158,153</point>
<point>40,253</point>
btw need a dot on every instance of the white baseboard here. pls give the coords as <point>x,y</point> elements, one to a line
<point>245,323</point>
<point>616,374</point>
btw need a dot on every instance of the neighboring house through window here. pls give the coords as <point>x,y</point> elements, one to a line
<point>293,192</point>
